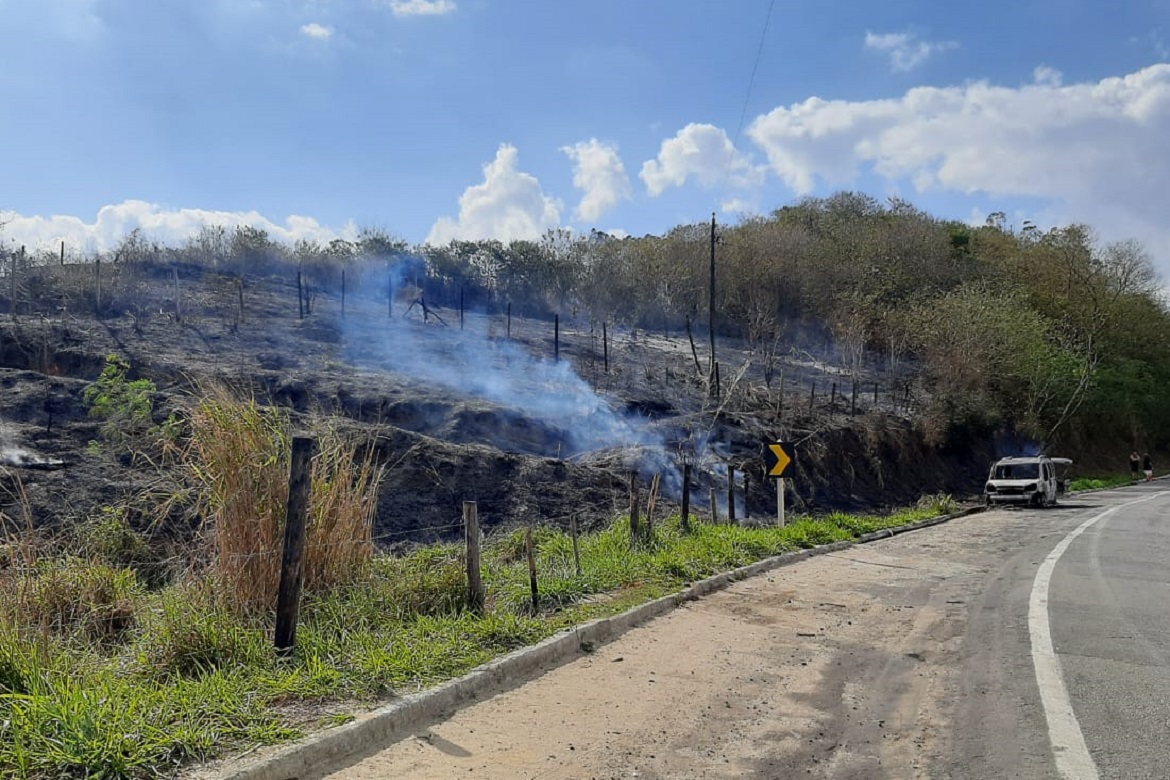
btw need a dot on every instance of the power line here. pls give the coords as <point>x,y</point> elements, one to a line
<point>747,96</point>
<point>714,376</point>
<point>755,68</point>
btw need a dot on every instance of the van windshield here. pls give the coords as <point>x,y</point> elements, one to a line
<point>1017,471</point>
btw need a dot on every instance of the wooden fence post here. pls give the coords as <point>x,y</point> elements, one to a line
<point>694,352</point>
<point>240,291</point>
<point>730,494</point>
<point>509,319</point>
<point>532,570</point>
<point>812,395</point>
<point>746,493</point>
<point>714,506</point>
<point>605,344</point>
<point>686,497</point>
<point>12,295</point>
<point>853,403</point>
<point>780,397</point>
<point>557,337</point>
<point>651,504</point>
<point>635,510</point>
<point>833,395</point>
<point>475,591</point>
<point>300,297</point>
<point>288,600</point>
<point>62,253</point>
<point>178,296</point>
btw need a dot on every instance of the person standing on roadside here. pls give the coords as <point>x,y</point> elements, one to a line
<point>1148,466</point>
<point>1135,463</point>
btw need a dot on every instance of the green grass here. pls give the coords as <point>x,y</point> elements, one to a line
<point>185,679</point>
<point>1101,482</point>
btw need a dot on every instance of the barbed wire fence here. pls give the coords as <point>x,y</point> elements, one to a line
<point>808,393</point>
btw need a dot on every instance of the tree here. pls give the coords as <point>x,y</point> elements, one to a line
<point>600,284</point>
<point>252,250</point>
<point>378,244</point>
<point>989,359</point>
<point>851,330</point>
<point>135,249</point>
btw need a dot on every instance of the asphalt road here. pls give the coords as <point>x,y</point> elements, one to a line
<point>1110,612</point>
<point>1010,644</point>
<point>1104,709</point>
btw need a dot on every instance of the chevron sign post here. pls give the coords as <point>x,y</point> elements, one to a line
<point>779,458</point>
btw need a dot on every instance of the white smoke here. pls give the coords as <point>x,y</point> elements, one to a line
<point>19,457</point>
<point>504,373</point>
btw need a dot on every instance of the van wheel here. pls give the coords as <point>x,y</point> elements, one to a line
<point>1037,501</point>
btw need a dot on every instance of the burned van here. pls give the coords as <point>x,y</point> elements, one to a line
<point>1031,481</point>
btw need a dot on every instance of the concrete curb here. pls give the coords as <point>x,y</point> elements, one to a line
<point>376,729</point>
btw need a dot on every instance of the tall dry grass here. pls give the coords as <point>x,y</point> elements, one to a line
<point>240,452</point>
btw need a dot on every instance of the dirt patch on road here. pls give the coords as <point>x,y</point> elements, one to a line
<point>843,666</point>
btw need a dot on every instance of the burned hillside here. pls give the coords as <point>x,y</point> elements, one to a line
<point>538,419</point>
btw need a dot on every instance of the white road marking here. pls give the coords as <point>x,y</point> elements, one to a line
<point>1064,731</point>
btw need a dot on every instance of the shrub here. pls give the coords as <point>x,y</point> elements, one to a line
<point>430,582</point>
<point>194,633</point>
<point>72,596</point>
<point>939,503</point>
<point>240,452</point>
<point>125,406</point>
<point>512,546</point>
<point>107,537</point>
<point>1098,483</point>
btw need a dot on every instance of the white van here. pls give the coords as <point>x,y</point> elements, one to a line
<point>1031,480</point>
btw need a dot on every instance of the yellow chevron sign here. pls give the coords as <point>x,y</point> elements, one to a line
<point>778,459</point>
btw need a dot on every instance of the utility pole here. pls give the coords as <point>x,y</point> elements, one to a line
<point>711,300</point>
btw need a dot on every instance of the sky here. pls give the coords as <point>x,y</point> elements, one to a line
<point>441,119</point>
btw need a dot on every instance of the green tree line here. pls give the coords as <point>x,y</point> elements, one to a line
<point>1045,335</point>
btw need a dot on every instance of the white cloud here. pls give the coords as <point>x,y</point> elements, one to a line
<point>599,173</point>
<point>75,21</point>
<point>170,227</point>
<point>316,31</point>
<point>1049,77</point>
<point>739,206</point>
<point>704,152</point>
<point>422,7</point>
<point>1101,149</point>
<point>905,50</point>
<point>508,205</point>
<point>1154,41</point>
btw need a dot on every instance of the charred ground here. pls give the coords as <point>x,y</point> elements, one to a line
<point>532,426</point>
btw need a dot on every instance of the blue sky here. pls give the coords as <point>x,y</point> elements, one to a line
<point>436,119</point>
